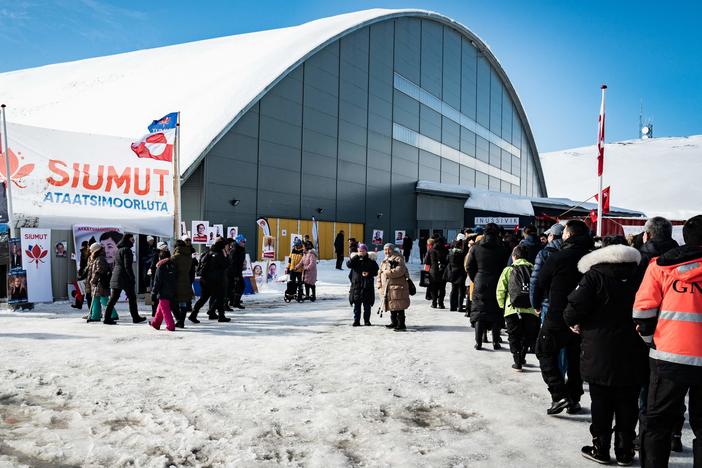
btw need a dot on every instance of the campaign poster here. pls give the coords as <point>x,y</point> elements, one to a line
<point>219,230</point>
<point>60,249</point>
<point>268,247</point>
<point>36,245</point>
<point>248,269</point>
<point>211,231</point>
<point>17,287</point>
<point>272,272</point>
<point>377,237</point>
<point>108,236</point>
<point>15,253</point>
<point>259,273</point>
<point>73,293</point>
<point>399,236</point>
<point>200,232</point>
<point>293,238</point>
<point>64,178</point>
<point>232,232</point>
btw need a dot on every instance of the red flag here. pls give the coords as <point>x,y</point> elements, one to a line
<point>157,145</point>
<point>516,229</point>
<point>605,200</point>
<point>593,216</point>
<point>601,134</point>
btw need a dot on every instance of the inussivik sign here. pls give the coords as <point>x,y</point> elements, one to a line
<point>63,178</point>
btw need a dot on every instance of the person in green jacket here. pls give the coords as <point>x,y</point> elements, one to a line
<point>521,319</point>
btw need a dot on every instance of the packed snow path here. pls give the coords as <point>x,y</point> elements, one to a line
<point>281,384</point>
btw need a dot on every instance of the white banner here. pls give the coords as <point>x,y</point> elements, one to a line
<point>63,178</point>
<point>36,258</point>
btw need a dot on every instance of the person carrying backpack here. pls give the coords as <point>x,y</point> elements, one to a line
<point>513,296</point>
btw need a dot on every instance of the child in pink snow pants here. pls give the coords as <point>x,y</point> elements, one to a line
<point>164,291</point>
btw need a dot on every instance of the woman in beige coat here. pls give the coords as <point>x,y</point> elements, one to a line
<point>392,285</point>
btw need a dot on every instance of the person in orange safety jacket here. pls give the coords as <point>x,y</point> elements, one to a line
<point>668,316</point>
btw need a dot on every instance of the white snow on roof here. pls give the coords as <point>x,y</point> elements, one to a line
<point>211,82</point>
<point>499,202</point>
<point>659,176</point>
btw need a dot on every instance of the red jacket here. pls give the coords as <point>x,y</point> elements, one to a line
<point>668,310</point>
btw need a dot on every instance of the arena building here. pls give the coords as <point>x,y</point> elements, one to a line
<point>352,119</point>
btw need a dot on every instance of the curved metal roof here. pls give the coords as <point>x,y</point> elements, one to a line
<point>212,82</point>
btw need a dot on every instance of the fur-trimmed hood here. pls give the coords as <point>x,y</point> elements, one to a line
<point>372,255</point>
<point>610,254</point>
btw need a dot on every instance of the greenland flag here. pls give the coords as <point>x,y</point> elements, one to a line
<point>157,145</point>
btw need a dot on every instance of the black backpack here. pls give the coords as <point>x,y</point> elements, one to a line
<point>203,268</point>
<point>518,286</point>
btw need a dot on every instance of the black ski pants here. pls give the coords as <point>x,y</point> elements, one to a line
<point>114,297</point>
<point>214,292</point>
<point>548,349</point>
<point>610,402</point>
<point>665,399</point>
<point>522,330</point>
<point>339,260</point>
<point>458,294</point>
<point>438,292</point>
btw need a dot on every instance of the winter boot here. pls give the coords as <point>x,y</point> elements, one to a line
<point>193,317</point>
<point>356,323</point>
<point>624,447</point>
<point>557,406</point>
<point>597,452</point>
<point>313,288</point>
<point>401,321</point>
<point>221,317</point>
<point>517,366</point>
<point>393,320</point>
<point>676,444</point>
<point>574,407</point>
<point>441,305</point>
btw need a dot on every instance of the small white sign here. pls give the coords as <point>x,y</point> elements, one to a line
<point>499,220</point>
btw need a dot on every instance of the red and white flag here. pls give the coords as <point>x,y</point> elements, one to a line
<point>157,145</point>
<point>605,200</point>
<point>601,135</point>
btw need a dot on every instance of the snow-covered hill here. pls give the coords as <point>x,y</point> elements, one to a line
<point>660,176</point>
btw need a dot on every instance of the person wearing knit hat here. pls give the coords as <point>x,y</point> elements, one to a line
<point>162,246</point>
<point>362,293</point>
<point>98,281</point>
<point>393,287</point>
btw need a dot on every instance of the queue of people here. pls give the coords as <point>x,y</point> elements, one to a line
<point>627,320</point>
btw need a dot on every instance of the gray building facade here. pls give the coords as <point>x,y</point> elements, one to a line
<point>348,132</point>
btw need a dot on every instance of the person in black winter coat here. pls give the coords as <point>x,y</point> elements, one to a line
<point>532,242</point>
<point>558,277</point>
<point>406,248</point>
<point>435,264</point>
<point>485,263</point>
<point>123,279</point>
<point>422,242</point>
<point>164,290</point>
<point>613,357</point>
<point>456,275</point>
<point>554,234</point>
<point>213,268</point>
<point>339,249</point>
<point>235,273</point>
<point>364,269</point>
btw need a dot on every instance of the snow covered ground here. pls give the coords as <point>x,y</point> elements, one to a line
<point>282,384</point>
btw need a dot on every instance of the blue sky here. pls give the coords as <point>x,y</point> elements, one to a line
<point>557,53</point>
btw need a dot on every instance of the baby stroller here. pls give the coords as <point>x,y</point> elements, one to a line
<point>293,293</point>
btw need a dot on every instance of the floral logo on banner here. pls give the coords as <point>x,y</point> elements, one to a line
<point>36,254</point>
<point>17,171</point>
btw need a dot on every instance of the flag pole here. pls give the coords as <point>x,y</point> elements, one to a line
<point>176,183</point>
<point>600,160</point>
<point>8,185</point>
